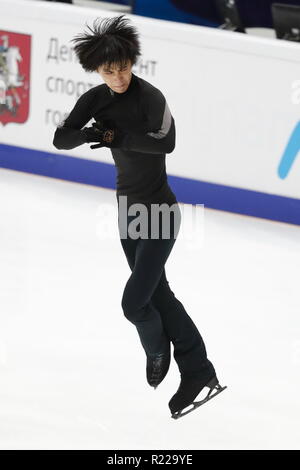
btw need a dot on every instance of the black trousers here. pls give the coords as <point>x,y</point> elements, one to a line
<point>149,303</point>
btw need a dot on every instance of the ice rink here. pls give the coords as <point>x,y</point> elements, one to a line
<point>72,369</point>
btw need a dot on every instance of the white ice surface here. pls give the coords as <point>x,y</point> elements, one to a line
<point>72,369</point>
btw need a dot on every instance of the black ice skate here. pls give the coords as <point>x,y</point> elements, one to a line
<point>157,368</point>
<point>188,390</point>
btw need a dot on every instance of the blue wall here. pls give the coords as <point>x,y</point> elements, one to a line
<point>187,190</point>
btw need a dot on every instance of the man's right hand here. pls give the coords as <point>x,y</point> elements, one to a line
<point>106,136</point>
<point>95,132</point>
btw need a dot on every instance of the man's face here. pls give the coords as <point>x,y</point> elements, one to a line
<point>117,78</point>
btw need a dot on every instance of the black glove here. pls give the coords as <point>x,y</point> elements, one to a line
<point>99,132</point>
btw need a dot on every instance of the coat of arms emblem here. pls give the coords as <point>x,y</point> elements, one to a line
<point>14,76</point>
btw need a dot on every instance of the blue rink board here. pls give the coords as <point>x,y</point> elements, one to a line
<point>187,190</point>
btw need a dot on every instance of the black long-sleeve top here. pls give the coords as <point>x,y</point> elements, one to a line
<point>143,115</point>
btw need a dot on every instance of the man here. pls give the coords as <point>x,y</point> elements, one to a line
<point>133,119</point>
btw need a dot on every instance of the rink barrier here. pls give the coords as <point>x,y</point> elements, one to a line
<point>187,190</point>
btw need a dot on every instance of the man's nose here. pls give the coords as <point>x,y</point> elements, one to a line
<point>119,79</point>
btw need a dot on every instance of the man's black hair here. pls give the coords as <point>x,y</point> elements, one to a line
<point>113,41</point>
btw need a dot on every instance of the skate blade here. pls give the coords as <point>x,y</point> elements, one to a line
<point>180,414</point>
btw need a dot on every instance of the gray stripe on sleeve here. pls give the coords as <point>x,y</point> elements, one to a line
<point>166,124</point>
